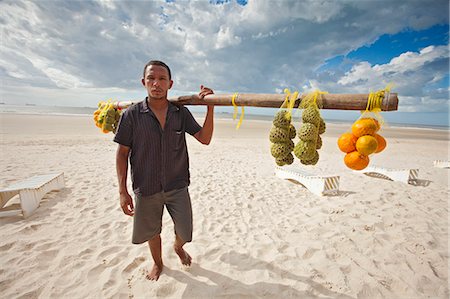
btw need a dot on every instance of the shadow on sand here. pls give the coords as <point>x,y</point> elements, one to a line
<point>210,284</point>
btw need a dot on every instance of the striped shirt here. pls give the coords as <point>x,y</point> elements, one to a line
<point>158,157</point>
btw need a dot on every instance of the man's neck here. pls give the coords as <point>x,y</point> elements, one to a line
<point>157,104</point>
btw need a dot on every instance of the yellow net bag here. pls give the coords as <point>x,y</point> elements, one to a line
<point>363,138</point>
<point>106,117</point>
<point>282,131</point>
<point>313,125</point>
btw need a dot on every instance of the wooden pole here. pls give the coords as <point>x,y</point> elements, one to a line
<point>330,101</point>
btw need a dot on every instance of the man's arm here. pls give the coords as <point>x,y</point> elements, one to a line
<point>205,134</point>
<point>126,202</point>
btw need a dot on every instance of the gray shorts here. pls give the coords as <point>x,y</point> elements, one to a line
<point>148,212</point>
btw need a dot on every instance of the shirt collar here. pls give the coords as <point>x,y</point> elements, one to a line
<point>144,108</point>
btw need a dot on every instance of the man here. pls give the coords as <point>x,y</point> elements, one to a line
<point>151,134</point>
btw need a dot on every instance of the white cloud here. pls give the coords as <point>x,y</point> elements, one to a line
<point>263,46</point>
<point>402,67</point>
<point>411,72</point>
<point>109,4</point>
<point>225,38</point>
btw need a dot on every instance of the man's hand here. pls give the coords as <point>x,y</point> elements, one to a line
<point>126,203</point>
<point>205,134</point>
<point>204,91</point>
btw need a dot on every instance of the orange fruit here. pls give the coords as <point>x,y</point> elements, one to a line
<point>381,143</point>
<point>356,161</point>
<point>366,145</point>
<point>365,126</point>
<point>347,142</point>
<point>377,124</point>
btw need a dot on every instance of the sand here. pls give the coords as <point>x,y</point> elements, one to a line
<point>255,235</point>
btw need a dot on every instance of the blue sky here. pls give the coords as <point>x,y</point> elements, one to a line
<point>76,53</point>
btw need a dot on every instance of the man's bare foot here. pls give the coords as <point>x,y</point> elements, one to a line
<point>155,272</point>
<point>184,256</point>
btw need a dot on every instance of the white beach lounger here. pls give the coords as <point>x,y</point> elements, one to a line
<point>441,164</point>
<point>407,176</point>
<point>30,191</point>
<point>319,185</point>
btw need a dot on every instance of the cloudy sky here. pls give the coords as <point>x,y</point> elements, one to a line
<point>76,53</point>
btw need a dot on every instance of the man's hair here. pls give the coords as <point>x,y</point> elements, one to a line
<point>157,62</point>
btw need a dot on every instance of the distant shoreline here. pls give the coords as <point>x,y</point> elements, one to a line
<point>88,112</point>
<point>249,117</point>
<point>329,120</point>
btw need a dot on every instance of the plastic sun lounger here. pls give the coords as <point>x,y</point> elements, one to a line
<point>407,176</point>
<point>319,185</point>
<point>441,164</point>
<point>30,191</point>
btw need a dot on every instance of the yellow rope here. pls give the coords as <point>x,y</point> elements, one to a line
<point>311,98</point>
<point>286,98</point>
<point>318,93</point>
<point>233,101</point>
<point>375,99</point>
<point>289,101</point>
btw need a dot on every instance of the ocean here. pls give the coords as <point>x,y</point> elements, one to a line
<point>46,110</point>
<point>428,120</point>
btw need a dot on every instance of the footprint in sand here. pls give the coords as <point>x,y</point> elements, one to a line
<point>109,284</point>
<point>420,248</point>
<point>166,290</point>
<point>48,255</point>
<point>108,251</point>
<point>109,208</point>
<point>346,269</point>
<point>33,293</point>
<point>85,210</point>
<point>68,220</point>
<point>212,252</point>
<point>309,253</point>
<point>95,272</point>
<point>87,253</point>
<point>46,246</point>
<point>113,262</point>
<point>104,226</point>
<point>6,247</point>
<point>206,192</point>
<point>30,229</point>
<point>79,202</point>
<point>283,248</point>
<point>133,265</point>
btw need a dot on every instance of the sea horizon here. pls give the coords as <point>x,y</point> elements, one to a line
<point>265,114</point>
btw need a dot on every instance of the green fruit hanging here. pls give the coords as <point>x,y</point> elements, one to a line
<point>281,135</point>
<point>312,126</point>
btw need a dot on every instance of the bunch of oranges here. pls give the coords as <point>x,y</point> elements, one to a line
<point>361,142</point>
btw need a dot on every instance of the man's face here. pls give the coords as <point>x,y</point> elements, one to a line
<point>157,81</point>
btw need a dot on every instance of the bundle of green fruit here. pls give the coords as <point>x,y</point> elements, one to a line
<point>281,135</point>
<point>309,133</point>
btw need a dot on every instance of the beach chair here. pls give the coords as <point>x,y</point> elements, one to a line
<point>319,185</point>
<point>441,164</point>
<point>30,191</point>
<point>407,176</point>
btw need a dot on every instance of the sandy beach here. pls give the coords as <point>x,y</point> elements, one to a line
<point>255,235</point>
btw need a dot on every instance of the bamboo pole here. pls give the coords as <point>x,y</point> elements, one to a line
<point>330,101</point>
